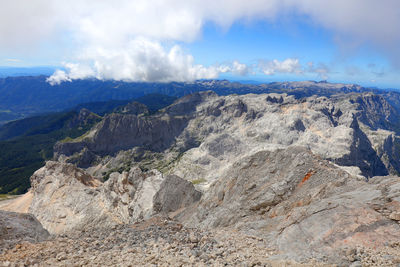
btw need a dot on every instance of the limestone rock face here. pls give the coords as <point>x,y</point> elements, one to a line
<point>120,132</point>
<point>66,198</point>
<point>302,205</point>
<point>175,193</point>
<point>345,129</point>
<point>124,131</point>
<point>376,112</point>
<point>18,227</point>
<point>209,132</point>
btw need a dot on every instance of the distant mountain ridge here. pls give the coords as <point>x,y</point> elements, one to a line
<point>26,71</point>
<point>21,97</point>
<point>32,95</point>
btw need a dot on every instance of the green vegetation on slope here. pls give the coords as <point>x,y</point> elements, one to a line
<point>35,125</point>
<point>26,144</point>
<point>23,155</point>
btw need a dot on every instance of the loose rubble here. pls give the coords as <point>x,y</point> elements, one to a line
<point>156,242</point>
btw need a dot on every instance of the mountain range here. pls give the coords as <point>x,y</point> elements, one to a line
<point>22,97</point>
<point>27,143</point>
<point>297,172</point>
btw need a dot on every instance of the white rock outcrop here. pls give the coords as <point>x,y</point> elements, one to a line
<point>66,198</point>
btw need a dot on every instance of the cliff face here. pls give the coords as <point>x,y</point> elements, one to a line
<point>212,131</point>
<point>124,131</point>
<point>376,112</point>
<point>120,132</point>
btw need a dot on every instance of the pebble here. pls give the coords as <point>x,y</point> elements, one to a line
<point>164,244</point>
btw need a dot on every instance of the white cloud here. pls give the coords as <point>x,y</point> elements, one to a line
<point>24,22</point>
<point>293,66</point>
<point>235,67</point>
<point>240,68</point>
<point>105,33</point>
<point>73,71</point>
<point>139,60</point>
<point>58,77</point>
<point>289,65</point>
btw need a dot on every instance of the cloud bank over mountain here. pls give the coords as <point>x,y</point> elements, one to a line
<point>138,60</point>
<point>140,39</point>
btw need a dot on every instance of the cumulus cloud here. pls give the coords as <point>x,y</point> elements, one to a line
<point>73,71</point>
<point>236,68</point>
<point>58,77</point>
<point>289,65</point>
<point>105,33</point>
<point>240,68</point>
<point>294,66</point>
<point>139,60</point>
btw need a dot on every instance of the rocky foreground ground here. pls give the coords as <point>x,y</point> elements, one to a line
<point>163,242</point>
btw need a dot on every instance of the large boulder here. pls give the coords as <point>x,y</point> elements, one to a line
<point>174,194</point>
<point>18,227</point>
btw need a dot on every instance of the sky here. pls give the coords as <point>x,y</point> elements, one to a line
<point>351,41</point>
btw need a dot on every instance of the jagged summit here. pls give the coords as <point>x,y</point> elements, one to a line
<point>210,131</point>
<point>26,96</point>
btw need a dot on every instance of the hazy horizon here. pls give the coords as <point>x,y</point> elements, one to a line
<point>6,71</point>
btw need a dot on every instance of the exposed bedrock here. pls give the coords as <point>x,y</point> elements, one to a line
<point>302,205</point>
<point>67,198</point>
<point>212,131</point>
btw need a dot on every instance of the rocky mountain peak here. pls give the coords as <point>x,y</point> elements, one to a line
<point>348,130</point>
<point>187,104</point>
<point>134,108</point>
<point>84,117</point>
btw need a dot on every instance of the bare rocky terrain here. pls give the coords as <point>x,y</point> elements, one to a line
<point>155,242</point>
<point>250,180</point>
<point>18,227</point>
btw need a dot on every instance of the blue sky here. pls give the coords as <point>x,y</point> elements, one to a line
<point>264,40</point>
<point>249,43</point>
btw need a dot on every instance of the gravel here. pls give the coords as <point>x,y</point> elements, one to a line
<point>156,242</point>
